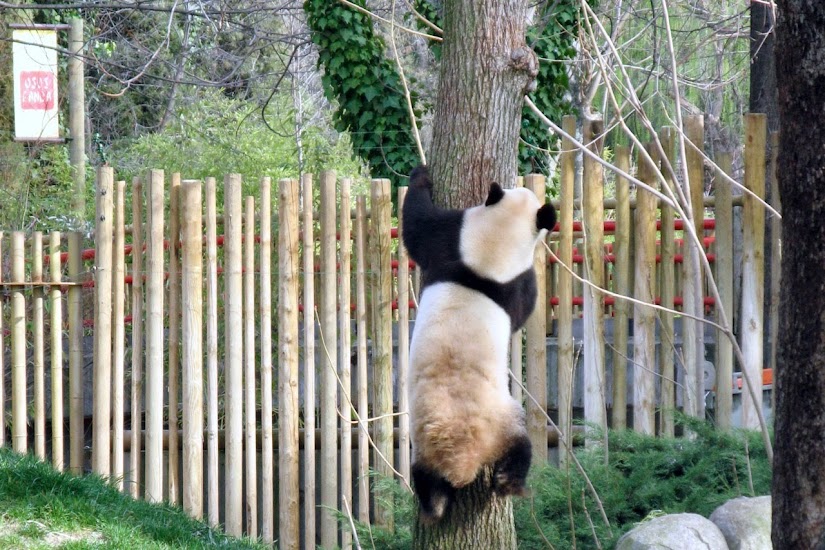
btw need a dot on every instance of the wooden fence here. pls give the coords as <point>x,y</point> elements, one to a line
<point>228,350</point>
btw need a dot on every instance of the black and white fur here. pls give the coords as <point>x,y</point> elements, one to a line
<point>478,287</point>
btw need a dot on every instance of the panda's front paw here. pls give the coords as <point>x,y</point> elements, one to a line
<point>420,178</point>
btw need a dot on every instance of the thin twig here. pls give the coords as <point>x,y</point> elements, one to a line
<point>355,540</point>
<point>354,411</point>
<point>358,8</point>
<point>568,446</point>
<point>410,110</point>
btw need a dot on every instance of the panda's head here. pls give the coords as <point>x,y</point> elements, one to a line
<point>498,238</point>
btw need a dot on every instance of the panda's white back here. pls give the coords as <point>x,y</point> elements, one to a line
<point>460,403</point>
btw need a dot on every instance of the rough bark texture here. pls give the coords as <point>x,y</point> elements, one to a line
<point>799,464</point>
<point>486,69</point>
<point>476,520</point>
<point>763,68</point>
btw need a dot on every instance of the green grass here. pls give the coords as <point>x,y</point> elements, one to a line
<point>43,508</point>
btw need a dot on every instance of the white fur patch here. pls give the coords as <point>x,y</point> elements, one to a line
<point>462,414</point>
<point>498,241</point>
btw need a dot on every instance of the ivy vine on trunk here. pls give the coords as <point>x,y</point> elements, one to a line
<point>366,86</point>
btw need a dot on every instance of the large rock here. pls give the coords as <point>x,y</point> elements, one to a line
<point>674,532</point>
<point>745,522</point>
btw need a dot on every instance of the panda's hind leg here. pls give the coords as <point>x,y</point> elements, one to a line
<point>510,472</point>
<point>434,492</point>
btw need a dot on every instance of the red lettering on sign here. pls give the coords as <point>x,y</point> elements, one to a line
<point>36,90</point>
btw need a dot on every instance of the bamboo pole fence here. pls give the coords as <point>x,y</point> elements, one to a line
<point>246,357</point>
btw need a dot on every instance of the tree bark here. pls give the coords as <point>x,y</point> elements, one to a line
<point>799,465</point>
<point>486,69</point>
<point>763,68</point>
<point>477,519</point>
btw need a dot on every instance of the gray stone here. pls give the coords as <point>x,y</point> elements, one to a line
<point>674,532</point>
<point>745,522</point>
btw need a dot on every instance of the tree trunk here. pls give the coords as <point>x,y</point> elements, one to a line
<point>763,68</point>
<point>477,519</point>
<point>799,464</point>
<point>486,69</point>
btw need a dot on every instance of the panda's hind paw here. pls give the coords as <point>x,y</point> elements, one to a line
<point>433,491</point>
<point>505,486</point>
<point>510,473</point>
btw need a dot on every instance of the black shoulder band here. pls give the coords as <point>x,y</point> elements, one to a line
<point>516,297</point>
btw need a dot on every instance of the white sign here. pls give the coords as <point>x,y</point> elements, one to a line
<point>35,85</point>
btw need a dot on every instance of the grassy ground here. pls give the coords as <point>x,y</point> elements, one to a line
<point>42,508</point>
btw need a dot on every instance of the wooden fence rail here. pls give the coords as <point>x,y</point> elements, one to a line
<point>172,363</point>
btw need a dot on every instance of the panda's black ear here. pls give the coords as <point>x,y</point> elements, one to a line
<point>496,194</point>
<point>546,217</point>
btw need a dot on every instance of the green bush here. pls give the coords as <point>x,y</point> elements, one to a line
<point>217,135</point>
<point>643,476</point>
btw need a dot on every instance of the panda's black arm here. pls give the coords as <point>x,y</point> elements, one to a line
<point>430,233</point>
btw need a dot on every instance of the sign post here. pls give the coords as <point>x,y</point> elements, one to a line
<point>36,104</point>
<point>35,84</point>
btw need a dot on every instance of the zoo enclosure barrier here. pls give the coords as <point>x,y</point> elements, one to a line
<point>257,375</point>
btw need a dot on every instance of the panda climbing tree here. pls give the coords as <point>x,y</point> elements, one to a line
<point>486,69</point>
<point>479,286</point>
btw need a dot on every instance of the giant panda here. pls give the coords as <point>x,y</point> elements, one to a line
<point>478,287</point>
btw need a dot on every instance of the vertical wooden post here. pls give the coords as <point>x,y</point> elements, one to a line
<point>329,365</point>
<point>593,314</point>
<point>56,329</point>
<point>2,363</point>
<point>174,338</point>
<point>536,352</point>
<point>118,332</point>
<point>403,345</point>
<point>102,379</point>
<point>667,284</point>
<point>233,367</point>
<point>692,331</point>
<point>309,363</point>
<point>154,336</point>
<point>644,318</point>
<point>621,309</point>
<point>361,333</point>
<point>516,348</point>
<point>382,334</point>
<point>76,438</point>
<point>267,457</point>
<point>192,351</point>
<point>77,117</point>
<point>251,421</point>
<point>212,492</point>
<point>19,434</point>
<point>288,361</point>
<point>753,267</point>
<point>724,282</point>
<point>137,337</point>
<point>565,286</point>
<point>38,354</point>
<point>345,352</point>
